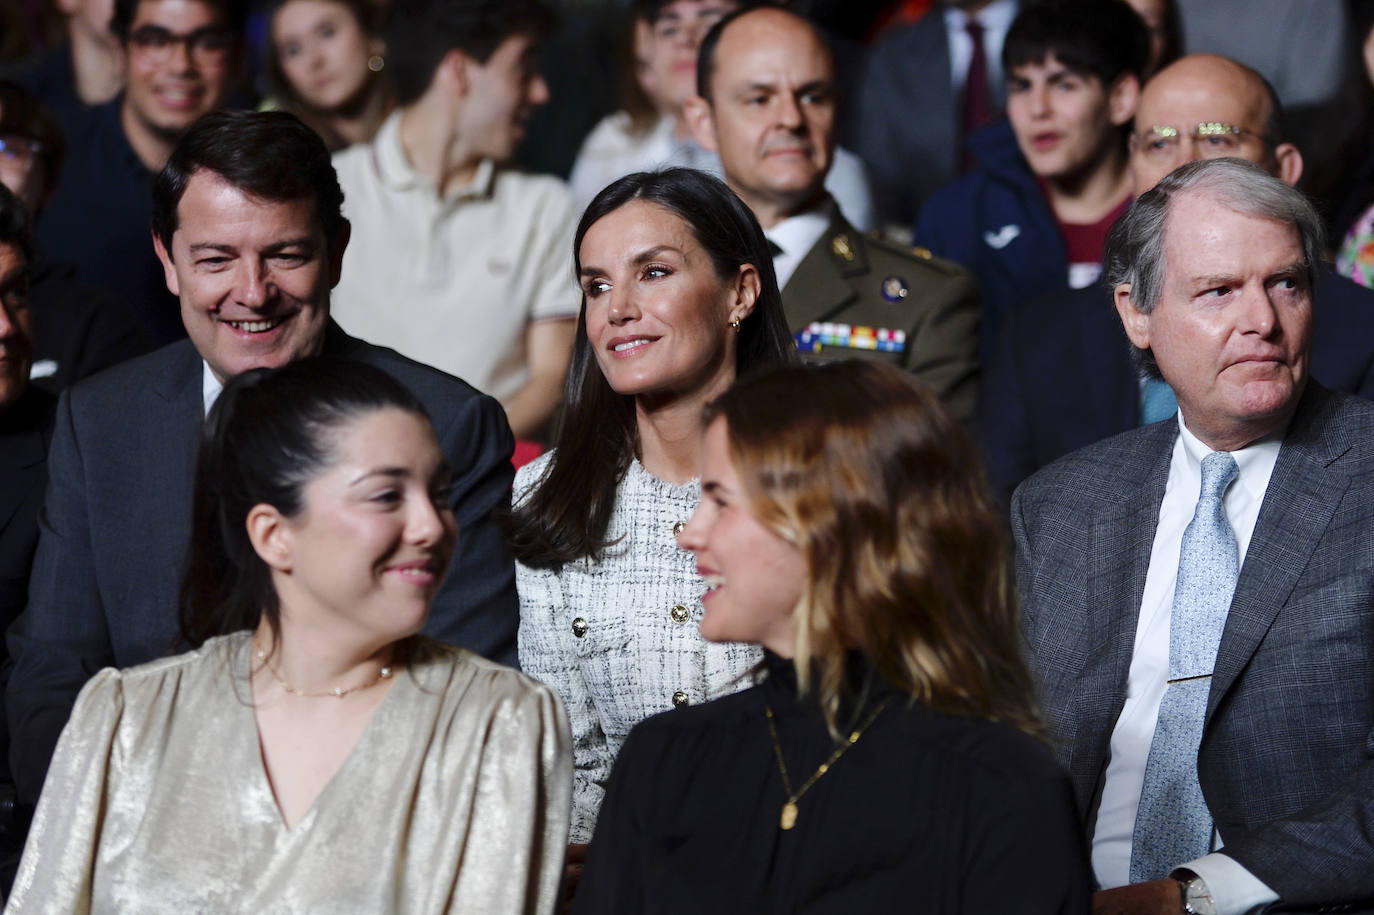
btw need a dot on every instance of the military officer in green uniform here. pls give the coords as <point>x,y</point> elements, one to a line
<point>766,104</point>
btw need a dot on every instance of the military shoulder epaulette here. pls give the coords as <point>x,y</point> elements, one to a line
<point>916,254</point>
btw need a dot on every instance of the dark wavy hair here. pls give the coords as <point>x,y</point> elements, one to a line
<point>883,493</point>
<point>421,32</point>
<point>373,103</point>
<point>566,515</point>
<point>271,155</point>
<point>1106,39</point>
<point>270,432</point>
<point>233,12</point>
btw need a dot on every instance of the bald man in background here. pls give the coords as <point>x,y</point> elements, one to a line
<point>1061,375</point>
<point>766,103</point>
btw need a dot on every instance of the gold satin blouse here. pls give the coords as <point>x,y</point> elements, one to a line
<point>455,799</point>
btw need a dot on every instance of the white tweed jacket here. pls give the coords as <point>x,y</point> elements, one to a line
<point>618,639</point>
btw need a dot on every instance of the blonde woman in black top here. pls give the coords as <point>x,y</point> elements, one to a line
<point>893,759</point>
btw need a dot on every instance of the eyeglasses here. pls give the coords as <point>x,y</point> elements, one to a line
<point>1211,139</point>
<point>205,46</point>
<point>19,151</point>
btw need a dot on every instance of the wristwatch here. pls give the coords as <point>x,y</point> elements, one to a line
<point>1196,898</point>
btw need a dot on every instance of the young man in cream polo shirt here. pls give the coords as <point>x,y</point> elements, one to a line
<point>456,261</point>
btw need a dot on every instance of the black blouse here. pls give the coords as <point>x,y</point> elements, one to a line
<point>927,813</point>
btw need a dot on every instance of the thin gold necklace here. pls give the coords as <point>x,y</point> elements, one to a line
<point>789,809</point>
<point>337,692</point>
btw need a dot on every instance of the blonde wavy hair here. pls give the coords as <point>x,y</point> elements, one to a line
<point>883,493</point>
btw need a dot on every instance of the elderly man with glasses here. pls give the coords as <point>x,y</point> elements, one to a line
<point>1061,376</point>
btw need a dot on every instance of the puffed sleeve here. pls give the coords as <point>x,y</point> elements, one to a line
<point>64,840</point>
<point>519,819</point>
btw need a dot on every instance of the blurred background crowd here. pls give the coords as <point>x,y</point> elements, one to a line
<point>929,184</point>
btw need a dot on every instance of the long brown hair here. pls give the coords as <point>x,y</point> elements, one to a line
<point>566,516</point>
<point>374,103</point>
<point>882,491</point>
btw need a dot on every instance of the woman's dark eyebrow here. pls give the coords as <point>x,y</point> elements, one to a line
<point>398,473</point>
<point>642,257</point>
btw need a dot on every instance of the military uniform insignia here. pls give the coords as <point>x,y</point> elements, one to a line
<point>895,289</point>
<point>818,335</point>
<point>842,248</point>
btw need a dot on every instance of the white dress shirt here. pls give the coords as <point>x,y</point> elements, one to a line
<point>1233,888</point>
<point>996,19</point>
<point>797,235</point>
<point>210,387</point>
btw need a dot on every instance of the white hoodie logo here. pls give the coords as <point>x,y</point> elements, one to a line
<point>1002,237</point>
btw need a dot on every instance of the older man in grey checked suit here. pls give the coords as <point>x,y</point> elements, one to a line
<point>1199,593</point>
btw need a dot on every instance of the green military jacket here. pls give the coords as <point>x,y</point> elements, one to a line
<point>855,295</point>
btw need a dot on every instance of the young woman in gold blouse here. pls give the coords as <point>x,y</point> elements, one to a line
<point>312,753</point>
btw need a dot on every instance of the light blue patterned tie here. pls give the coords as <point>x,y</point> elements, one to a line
<point>1173,824</point>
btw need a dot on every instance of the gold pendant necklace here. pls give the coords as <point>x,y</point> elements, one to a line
<point>789,808</point>
<point>337,692</point>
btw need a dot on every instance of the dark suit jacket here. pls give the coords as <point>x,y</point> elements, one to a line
<point>78,328</point>
<point>25,433</point>
<point>1061,375</point>
<point>116,523</point>
<point>1287,756</point>
<point>842,279</point>
<point>908,129</point>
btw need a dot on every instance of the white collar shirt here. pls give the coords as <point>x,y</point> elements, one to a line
<point>796,236</point>
<point>1149,669</point>
<point>210,387</point>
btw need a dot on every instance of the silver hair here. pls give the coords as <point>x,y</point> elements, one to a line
<point>1135,246</point>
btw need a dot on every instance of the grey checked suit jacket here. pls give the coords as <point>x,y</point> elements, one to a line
<point>117,519</point>
<point>1287,755</point>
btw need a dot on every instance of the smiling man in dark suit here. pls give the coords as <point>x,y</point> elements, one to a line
<point>248,227</point>
<point>1199,593</point>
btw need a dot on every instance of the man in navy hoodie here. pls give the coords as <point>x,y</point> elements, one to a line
<point>1053,177</point>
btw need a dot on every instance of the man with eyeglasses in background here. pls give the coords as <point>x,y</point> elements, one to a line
<point>79,328</point>
<point>26,425</point>
<point>1061,375</point>
<point>179,59</point>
